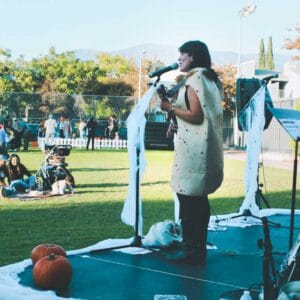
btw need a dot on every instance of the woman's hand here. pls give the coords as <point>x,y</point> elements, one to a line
<point>166,105</point>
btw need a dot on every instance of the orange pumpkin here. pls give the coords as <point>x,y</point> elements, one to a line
<point>52,272</point>
<point>43,250</point>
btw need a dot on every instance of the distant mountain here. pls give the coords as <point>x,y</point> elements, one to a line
<point>169,54</point>
<point>86,54</point>
<point>166,54</point>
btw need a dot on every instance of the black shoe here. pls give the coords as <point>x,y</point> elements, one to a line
<point>3,192</point>
<point>188,256</point>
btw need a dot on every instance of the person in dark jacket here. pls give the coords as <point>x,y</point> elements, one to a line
<point>91,132</point>
<point>3,169</point>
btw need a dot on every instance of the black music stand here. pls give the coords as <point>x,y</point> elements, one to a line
<point>290,121</point>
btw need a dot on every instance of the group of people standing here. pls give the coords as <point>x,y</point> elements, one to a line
<point>63,129</point>
<point>14,134</point>
<point>111,130</point>
<point>52,128</point>
<point>86,130</point>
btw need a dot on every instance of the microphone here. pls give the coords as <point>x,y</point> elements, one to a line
<point>160,71</point>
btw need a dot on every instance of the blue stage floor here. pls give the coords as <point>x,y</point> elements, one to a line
<point>236,265</point>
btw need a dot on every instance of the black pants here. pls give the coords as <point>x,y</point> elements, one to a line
<point>90,138</point>
<point>194,208</point>
<point>194,213</point>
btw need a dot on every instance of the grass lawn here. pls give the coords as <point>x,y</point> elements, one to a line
<point>92,214</point>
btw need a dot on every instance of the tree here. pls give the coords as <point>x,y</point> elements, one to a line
<point>27,78</point>
<point>7,82</point>
<point>152,65</point>
<point>261,55</point>
<point>115,87</point>
<point>293,44</point>
<point>64,73</point>
<point>227,75</point>
<point>269,56</point>
<point>6,53</point>
<point>133,76</point>
<point>115,100</point>
<point>114,66</point>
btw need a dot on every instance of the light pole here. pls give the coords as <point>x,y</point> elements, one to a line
<point>244,12</point>
<point>140,75</point>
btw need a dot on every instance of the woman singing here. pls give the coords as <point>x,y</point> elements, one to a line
<point>198,160</point>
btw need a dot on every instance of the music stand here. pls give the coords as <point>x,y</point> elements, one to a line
<point>290,121</point>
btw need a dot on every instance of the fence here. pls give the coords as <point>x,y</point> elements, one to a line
<point>82,143</point>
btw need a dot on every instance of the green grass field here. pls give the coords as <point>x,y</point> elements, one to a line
<point>93,213</point>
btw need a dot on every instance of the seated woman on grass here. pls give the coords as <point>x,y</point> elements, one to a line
<point>17,183</point>
<point>3,169</point>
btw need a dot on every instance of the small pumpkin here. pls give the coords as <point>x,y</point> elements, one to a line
<point>52,272</point>
<point>43,250</point>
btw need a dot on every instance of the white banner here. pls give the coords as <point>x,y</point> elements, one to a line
<point>255,122</point>
<point>135,142</point>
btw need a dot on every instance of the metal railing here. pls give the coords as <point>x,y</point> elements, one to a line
<point>82,143</point>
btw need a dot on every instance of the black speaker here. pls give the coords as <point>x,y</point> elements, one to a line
<point>245,89</point>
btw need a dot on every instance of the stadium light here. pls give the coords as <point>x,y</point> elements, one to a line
<point>140,74</point>
<point>247,10</point>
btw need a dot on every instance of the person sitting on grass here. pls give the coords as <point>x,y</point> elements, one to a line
<point>3,139</point>
<point>3,169</point>
<point>16,172</point>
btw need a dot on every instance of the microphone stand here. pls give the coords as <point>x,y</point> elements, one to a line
<point>137,239</point>
<point>268,263</point>
<point>293,204</point>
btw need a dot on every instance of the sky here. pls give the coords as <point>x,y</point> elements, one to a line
<point>31,27</point>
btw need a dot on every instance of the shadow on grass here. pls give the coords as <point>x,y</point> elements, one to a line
<point>106,185</point>
<point>223,205</point>
<point>100,185</point>
<point>97,169</point>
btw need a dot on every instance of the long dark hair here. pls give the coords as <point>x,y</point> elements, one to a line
<point>201,57</point>
<point>10,166</point>
<point>14,155</point>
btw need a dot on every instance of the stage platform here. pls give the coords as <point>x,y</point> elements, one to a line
<point>235,265</point>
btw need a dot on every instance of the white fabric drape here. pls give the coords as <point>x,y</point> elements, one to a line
<point>254,122</point>
<point>135,137</point>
